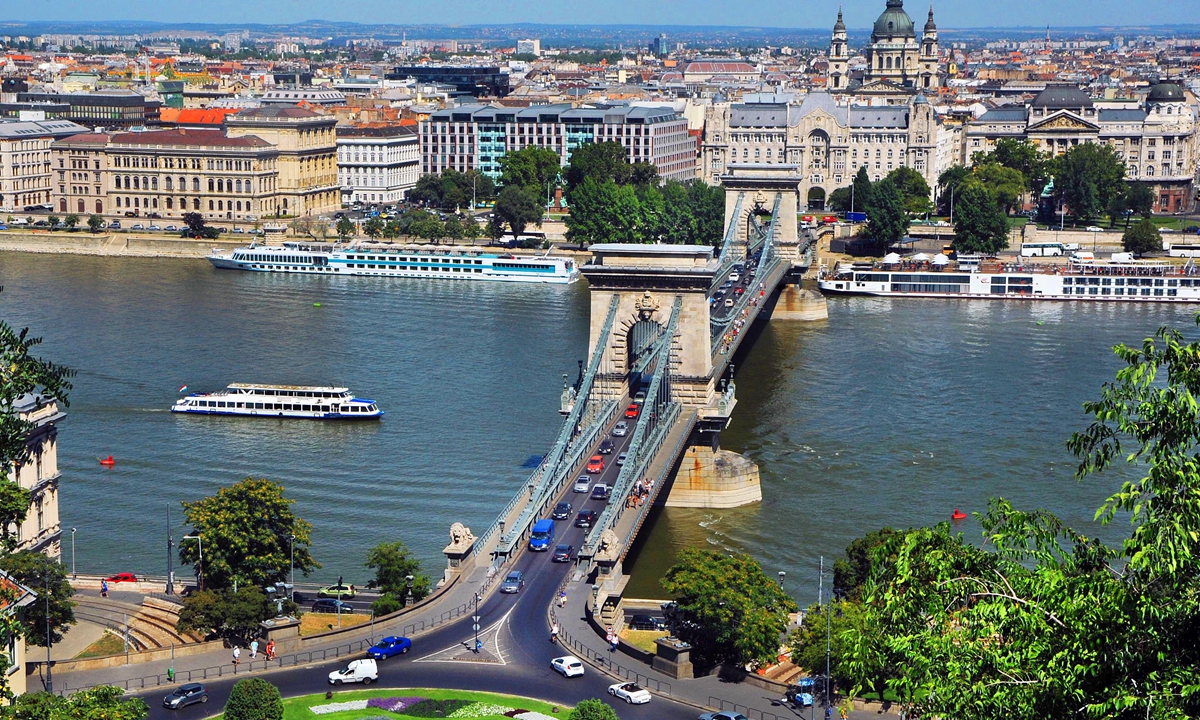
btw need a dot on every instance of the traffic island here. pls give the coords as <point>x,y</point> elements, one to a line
<point>418,703</point>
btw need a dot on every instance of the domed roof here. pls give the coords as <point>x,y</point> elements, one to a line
<point>840,25</point>
<point>893,22</point>
<point>1165,92</point>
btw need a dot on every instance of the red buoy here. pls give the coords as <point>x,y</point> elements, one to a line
<point>958,515</point>
<point>108,461</point>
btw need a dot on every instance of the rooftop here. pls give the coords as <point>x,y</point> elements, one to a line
<point>190,138</point>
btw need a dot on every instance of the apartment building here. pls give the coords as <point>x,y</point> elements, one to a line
<point>40,532</point>
<point>378,162</point>
<point>478,136</point>
<point>25,164</point>
<point>306,143</point>
<point>80,167</point>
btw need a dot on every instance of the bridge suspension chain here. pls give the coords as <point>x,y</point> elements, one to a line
<point>718,326</point>
<point>726,255</point>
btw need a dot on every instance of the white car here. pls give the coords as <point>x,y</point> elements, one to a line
<point>363,671</point>
<point>1093,228</point>
<point>583,484</point>
<point>631,693</point>
<point>568,666</point>
<point>621,429</point>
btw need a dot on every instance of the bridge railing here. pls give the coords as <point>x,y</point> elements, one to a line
<point>766,264</point>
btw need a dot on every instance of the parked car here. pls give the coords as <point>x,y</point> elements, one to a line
<point>606,447</point>
<point>622,458</point>
<point>647,622</point>
<point>122,577</point>
<point>595,464</point>
<point>389,646</point>
<point>583,484</point>
<point>239,231</point>
<point>722,715</point>
<point>586,518</point>
<point>330,605</point>
<point>185,695</point>
<point>364,670</point>
<point>171,228</point>
<point>154,216</point>
<point>562,511</point>
<point>562,553</point>
<point>513,583</point>
<point>601,491</point>
<point>115,225</point>
<point>137,226</point>
<point>631,693</point>
<point>154,227</point>
<point>621,429</point>
<point>633,410</point>
<point>568,666</point>
<point>337,591</point>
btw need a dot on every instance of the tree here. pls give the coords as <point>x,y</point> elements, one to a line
<point>246,530</point>
<point>980,226</point>
<point>1139,199</point>
<point>850,572</point>
<point>589,220</point>
<point>373,228</point>
<point>593,709</point>
<point>707,207</point>
<point>1142,238</point>
<point>454,228</point>
<point>532,167</point>
<point>808,643</point>
<point>95,223</point>
<point>518,206</point>
<point>861,189</point>
<point>104,702</point>
<point>839,200</point>
<point>393,563</point>
<point>1087,177</point>
<point>428,190</point>
<point>52,221</point>
<point>71,221</point>
<point>234,617</point>
<point>427,228</point>
<point>345,227</point>
<point>1024,157</point>
<point>948,183</point>
<point>727,607</point>
<point>495,227</point>
<point>887,223</point>
<point>913,189</point>
<point>39,572</point>
<point>471,230</point>
<point>600,161</point>
<point>14,506</point>
<point>194,227</point>
<point>254,699</point>
<point>1005,184</point>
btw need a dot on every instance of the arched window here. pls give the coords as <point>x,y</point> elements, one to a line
<point>127,185</point>
<point>99,207</point>
<point>239,205</point>
<point>137,202</point>
<point>170,203</point>
<point>239,186</point>
<point>154,183</point>
<point>210,204</point>
<point>81,205</point>
<point>155,203</point>
<point>889,62</point>
<point>136,185</point>
<point>248,190</point>
<point>210,185</point>
<point>182,183</point>
<point>196,185</point>
<point>170,184</point>
<point>145,183</point>
<point>195,203</point>
<point>1149,171</point>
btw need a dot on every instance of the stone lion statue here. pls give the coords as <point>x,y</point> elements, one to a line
<point>460,534</point>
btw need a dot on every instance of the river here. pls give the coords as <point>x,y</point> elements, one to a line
<point>891,413</point>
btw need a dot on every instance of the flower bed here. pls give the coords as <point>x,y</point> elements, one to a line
<point>394,704</point>
<point>380,704</point>
<point>339,707</point>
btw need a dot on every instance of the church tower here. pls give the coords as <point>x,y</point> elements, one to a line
<point>839,57</point>
<point>929,54</point>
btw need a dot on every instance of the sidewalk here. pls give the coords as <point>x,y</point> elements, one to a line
<point>709,692</point>
<point>453,604</point>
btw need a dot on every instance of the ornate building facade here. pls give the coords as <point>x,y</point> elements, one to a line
<point>897,61</point>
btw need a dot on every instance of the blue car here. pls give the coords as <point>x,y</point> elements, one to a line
<point>389,646</point>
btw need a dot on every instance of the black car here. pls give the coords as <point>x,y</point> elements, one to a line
<point>185,695</point>
<point>562,511</point>
<point>606,447</point>
<point>562,553</point>
<point>586,518</point>
<point>331,605</point>
<point>647,622</point>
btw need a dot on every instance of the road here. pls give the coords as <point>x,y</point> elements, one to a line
<point>514,633</point>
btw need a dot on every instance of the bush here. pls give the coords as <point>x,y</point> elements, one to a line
<point>386,604</point>
<point>254,699</point>
<point>593,709</point>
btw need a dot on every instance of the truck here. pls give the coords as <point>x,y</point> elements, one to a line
<point>542,535</point>
<point>858,217</point>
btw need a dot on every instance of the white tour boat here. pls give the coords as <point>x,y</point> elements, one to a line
<point>973,277</point>
<point>389,260</point>
<point>281,401</point>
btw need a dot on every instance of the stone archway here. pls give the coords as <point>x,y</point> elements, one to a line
<point>816,199</point>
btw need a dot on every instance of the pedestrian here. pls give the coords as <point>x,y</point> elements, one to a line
<point>103,588</point>
<point>562,598</point>
<point>237,654</point>
<point>170,674</point>
<point>270,650</point>
<point>554,632</point>
<point>253,648</point>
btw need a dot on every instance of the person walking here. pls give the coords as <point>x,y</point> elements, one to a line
<point>554,632</point>
<point>253,648</point>
<point>562,599</point>
<point>270,650</point>
<point>103,588</point>
<point>237,655</point>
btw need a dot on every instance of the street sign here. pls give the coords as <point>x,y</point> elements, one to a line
<point>475,627</point>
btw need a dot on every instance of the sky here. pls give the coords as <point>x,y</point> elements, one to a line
<point>761,13</point>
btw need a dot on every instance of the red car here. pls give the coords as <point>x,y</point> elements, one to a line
<point>633,410</point>
<point>122,577</point>
<point>596,464</point>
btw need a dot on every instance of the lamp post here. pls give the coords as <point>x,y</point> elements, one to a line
<point>292,570</point>
<point>200,567</point>
<point>408,599</point>
<point>170,553</point>
<point>73,553</point>
<point>475,623</point>
<point>782,575</point>
<point>49,677</point>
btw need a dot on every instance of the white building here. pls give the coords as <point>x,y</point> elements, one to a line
<point>377,163</point>
<point>25,172</point>
<point>529,47</point>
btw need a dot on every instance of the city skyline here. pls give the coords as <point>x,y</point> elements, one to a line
<point>763,13</point>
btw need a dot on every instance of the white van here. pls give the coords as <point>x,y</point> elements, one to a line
<point>1083,256</point>
<point>1122,257</point>
<point>363,671</point>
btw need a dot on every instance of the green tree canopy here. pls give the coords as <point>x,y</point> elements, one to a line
<point>861,190</point>
<point>453,228</point>
<point>980,226</point>
<point>1142,238</point>
<point>393,563</point>
<point>727,607</point>
<point>1024,157</point>
<point>254,699</point>
<point>345,227</point>
<point>95,223</point>
<point>887,221</point>
<point>519,207</point>
<point>246,530</point>
<point>850,572</point>
<point>234,617</point>
<point>593,709</point>
<point>913,189</point>
<point>606,161</point>
<point>39,572</point>
<point>71,221</point>
<point>808,643</point>
<point>1087,177</point>
<point>104,702</point>
<point>949,183</point>
<point>195,227</point>
<point>1005,184</point>
<point>14,507</point>
<point>373,228</point>
<point>532,167</point>
<point>839,200</point>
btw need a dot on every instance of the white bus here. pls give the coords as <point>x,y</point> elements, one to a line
<point>1042,249</point>
<point>1187,250</point>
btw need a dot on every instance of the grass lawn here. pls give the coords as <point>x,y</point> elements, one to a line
<point>643,639</point>
<point>108,644</point>
<point>312,623</point>
<point>298,708</point>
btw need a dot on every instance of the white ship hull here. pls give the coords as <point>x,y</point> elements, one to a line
<point>280,401</point>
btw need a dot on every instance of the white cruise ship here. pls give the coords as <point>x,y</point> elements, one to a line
<point>281,401</point>
<point>386,260</point>
<point>1130,281</point>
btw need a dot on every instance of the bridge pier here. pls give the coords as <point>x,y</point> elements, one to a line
<point>797,303</point>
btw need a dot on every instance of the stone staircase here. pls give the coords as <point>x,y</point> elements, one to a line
<point>151,625</point>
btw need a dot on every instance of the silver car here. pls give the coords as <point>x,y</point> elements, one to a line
<point>583,484</point>
<point>621,429</point>
<point>512,583</point>
<point>185,695</point>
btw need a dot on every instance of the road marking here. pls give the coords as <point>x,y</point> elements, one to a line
<point>490,651</point>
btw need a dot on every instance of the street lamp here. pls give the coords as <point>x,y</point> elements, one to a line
<point>782,575</point>
<point>49,677</point>
<point>408,598</point>
<point>292,570</point>
<point>73,552</point>
<point>200,566</point>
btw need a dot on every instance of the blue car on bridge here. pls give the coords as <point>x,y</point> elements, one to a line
<point>389,646</point>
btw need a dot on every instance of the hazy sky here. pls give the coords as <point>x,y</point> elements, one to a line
<point>772,13</point>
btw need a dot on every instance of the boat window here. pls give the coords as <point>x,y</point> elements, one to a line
<point>1158,282</point>
<point>1066,280</point>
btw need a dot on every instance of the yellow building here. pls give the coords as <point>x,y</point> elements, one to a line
<point>14,644</point>
<point>41,531</point>
<point>306,143</point>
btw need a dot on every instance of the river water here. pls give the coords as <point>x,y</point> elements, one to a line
<point>891,413</point>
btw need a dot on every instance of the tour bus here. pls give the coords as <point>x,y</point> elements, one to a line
<point>1187,250</point>
<point>1042,249</point>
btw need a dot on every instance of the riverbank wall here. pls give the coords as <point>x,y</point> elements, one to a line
<point>131,245</point>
